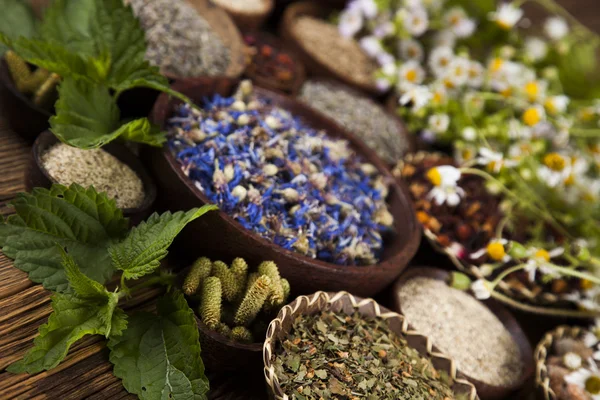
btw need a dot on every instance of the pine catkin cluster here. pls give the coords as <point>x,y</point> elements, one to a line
<point>232,300</point>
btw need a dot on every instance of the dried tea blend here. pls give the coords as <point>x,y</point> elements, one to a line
<point>339,356</point>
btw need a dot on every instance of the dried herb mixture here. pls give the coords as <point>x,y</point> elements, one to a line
<point>338,356</point>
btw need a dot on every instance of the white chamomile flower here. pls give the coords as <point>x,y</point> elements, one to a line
<point>385,58</point>
<point>457,73</point>
<point>516,130</point>
<point>533,115</point>
<point>445,180</point>
<point>418,97</point>
<point>506,16</point>
<point>416,21</point>
<point>586,379</point>
<point>572,360</point>
<point>556,104</point>
<point>439,123</point>
<point>459,23</point>
<point>493,160</point>
<point>389,69</point>
<point>481,289</point>
<point>371,45</point>
<point>351,22</point>
<point>475,74</point>
<point>496,250</point>
<point>469,133</point>
<point>444,38</point>
<point>536,49</point>
<point>556,28</point>
<point>440,94</point>
<point>368,8</point>
<point>384,30</point>
<point>410,49</point>
<point>555,169</point>
<point>409,74</point>
<point>535,90</point>
<point>539,259</point>
<point>440,59</point>
<point>589,338</point>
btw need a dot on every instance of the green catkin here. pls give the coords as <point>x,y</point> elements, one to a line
<point>285,284</point>
<point>224,329</point>
<point>252,277</point>
<point>46,92</point>
<point>199,271</point>
<point>210,304</point>
<point>253,301</point>
<point>276,297</point>
<point>229,283</point>
<point>239,268</point>
<point>36,80</point>
<point>242,334</point>
<point>19,70</point>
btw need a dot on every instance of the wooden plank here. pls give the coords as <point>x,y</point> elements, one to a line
<point>12,280</point>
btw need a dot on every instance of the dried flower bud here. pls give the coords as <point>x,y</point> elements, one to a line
<point>243,119</point>
<point>229,172</point>
<point>197,135</point>
<point>272,122</point>
<point>368,169</point>
<point>240,192</point>
<point>384,217</point>
<point>210,305</point>
<point>290,195</point>
<point>246,88</point>
<point>253,105</point>
<point>253,301</point>
<point>318,180</point>
<point>238,105</point>
<point>270,170</point>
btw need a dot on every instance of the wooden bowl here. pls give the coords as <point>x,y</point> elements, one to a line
<point>313,65</point>
<point>485,391</point>
<point>250,21</point>
<point>23,116</point>
<point>542,351</point>
<point>37,175</point>
<point>346,303</point>
<point>291,88</point>
<point>219,236</point>
<point>222,25</point>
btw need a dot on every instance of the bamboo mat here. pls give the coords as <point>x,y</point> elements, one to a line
<point>86,373</point>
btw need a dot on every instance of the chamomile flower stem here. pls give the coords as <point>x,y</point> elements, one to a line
<point>584,132</point>
<point>575,273</point>
<point>505,273</point>
<point>554,312</point>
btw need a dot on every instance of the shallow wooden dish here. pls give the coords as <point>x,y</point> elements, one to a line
<point>37,175</point>
<point>249,21</point>
<point>222,25</point>
<point>299,72</point>
<point>23,116</point>
<point>542,351</point>
<point>485,391</point>
<point>313,65</point>
<point>219,236</point>
<point>347,303</point>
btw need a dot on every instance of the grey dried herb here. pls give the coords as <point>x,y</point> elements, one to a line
<point>338,356</point>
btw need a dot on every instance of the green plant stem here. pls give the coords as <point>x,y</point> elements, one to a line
<point>575,273</point>
<point>505,273</point>
<point>556,312</point>
<point>585,132</point>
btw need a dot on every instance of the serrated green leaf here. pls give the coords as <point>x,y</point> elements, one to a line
<point>69,23</point>
<point>158,356</point>
<point>140,253</point>
<point>72,319</point>
<point>84,287</point>
<point>87,116</point>
<point>81,220</point>
<point>16,19</point>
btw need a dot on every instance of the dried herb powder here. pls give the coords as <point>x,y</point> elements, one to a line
<point>339,356</point>
<point>96,168</point>
<point>279,177</point>
<point>343,55</point>
<point>464,329</point>
<point>179,40</point>
<point>359,115</point>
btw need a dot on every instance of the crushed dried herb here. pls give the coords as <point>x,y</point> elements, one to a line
<point>339,356</point>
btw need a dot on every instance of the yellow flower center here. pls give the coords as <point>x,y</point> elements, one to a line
<point>444,62</point>
<point>592,384</point>
<point>454,20</point>
<point>434,176</point>
<point>506,92</point>
<point>554,161</point>
<point>532,90</point>
<point>542,255</point>
<point>496,251</point>
<point>413,52</point>
<point>473,73</point>
<point>532,116</point>
<point>496,64</point>
<point>586,284</point>
<point>587,114</point>
<point>503,24</point>
<point>438,98</point>
<point>550,106</point>
<point>494,165</point>
<point>411,75</point>
<point>570,181</point>
<point>467,154</point>
<point>449,84</point>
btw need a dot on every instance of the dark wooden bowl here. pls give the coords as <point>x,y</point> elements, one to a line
<point>485,391</point>
<point>23,116</point>
<point>249,21</point>
<point>222,24</point>
<point>219,236</point>
<point>37,176</point>
<point>313,65</point>
<point>344,302</point>
<point>291,88</point>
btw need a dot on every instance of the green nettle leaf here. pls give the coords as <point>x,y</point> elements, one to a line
<point>87,117</point>
<point>72,319</point>
<point>140,253</point>
<point>16,19</point>
<point>84,287</point>
<point>158,356</point>
<point>82,220</point>
<point>68,22</point>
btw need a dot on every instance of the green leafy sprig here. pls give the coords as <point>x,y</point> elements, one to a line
<point>73,240</point>
<point>98,47</point>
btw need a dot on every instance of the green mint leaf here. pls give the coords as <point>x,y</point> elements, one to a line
<point>79,219</point>
<point>146,244</point>
<point>68,22</point>
<point>87,116</point>
<point>16,19</point>
<point>158,356</point>
<point>72,319</point>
